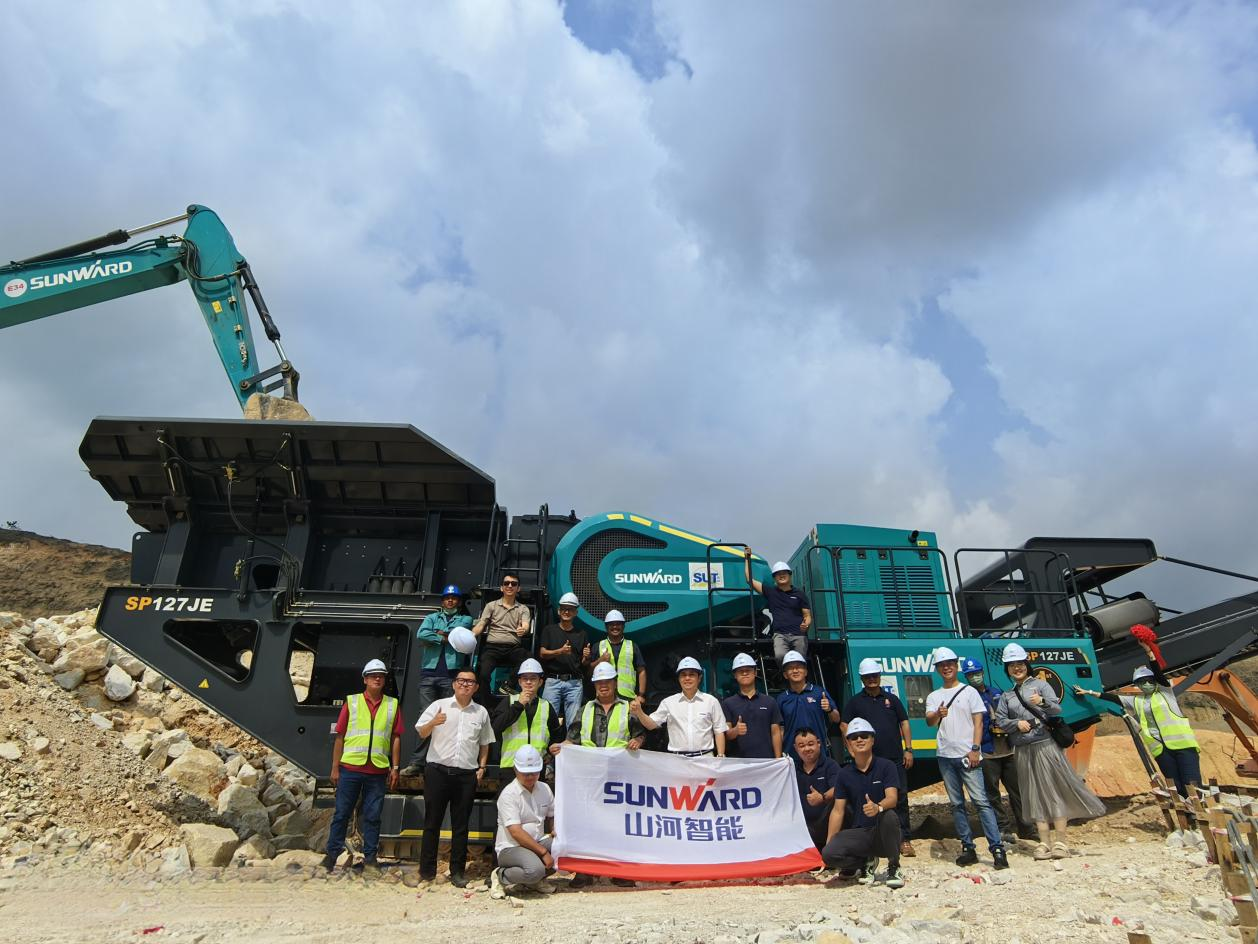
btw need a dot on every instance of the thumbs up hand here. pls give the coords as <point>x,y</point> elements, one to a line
<point>439,717</point>
<point>1036,698</point>
<point>814,798</point>
<point>566,648</point>
<point>871,808</point>
<point>585,653</point>
<point>741,727</point>
<point>825,704</point>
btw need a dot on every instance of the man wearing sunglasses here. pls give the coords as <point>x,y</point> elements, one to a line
<point>505,626</point>
<point>869,786</point>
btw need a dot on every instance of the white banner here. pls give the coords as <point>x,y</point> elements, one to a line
<point>660,817</point>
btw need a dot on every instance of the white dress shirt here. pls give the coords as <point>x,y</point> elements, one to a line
<point>457,743</point>
<point>692,722</point>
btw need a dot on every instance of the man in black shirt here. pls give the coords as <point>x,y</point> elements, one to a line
<point>868,787</point>
<point>565,652</point>
<point>788,608</point>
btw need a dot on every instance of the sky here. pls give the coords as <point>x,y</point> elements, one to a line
<point>984,269</point>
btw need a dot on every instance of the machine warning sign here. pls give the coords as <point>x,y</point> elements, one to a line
<point>699,576</point>
<point>204,683</point>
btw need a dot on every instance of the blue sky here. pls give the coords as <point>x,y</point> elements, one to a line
<point>980,269</point>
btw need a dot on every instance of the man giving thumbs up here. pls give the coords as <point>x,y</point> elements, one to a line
<point>755,719</point>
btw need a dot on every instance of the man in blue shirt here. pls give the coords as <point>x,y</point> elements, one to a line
<point>998,765</point>
<point>788,608</point>
<point>818,779</point>
<point>867,786</point>
<point>893,740</point>
<point>438,662</point>
<point>755,720</point>
<point>804,705</point>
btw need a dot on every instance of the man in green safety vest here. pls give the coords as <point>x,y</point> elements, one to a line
<point>526,718</point>
<point>1165,731</point>
<point>364,763</point>
<point>623,656</point>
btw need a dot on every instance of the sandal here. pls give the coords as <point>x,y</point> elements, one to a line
<point>1061,850</point>
<point>1041,852</point>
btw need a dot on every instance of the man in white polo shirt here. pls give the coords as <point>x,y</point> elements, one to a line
<point>526,816</point>
<point>957,710</point>
<point>696,721</point>
<point>461,734</point>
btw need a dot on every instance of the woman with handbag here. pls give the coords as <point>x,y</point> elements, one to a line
<point>1052,792</point>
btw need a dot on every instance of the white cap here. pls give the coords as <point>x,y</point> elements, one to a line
<point>859,726</point>
<point>943,654</point>
<point>689,663</point>
<point>781,566</point>
<point>603,672</point>
<point>743,661</point>
<point>869,667</point>
<point>375,666</point>
<point>614,616</point>
<point>569,599</point>
<point>530,667</point>
<point>793,656</point>
<point>1142,673</point>
<point>527,760</point>
<point>463,640</point>
<point>1014,653</point>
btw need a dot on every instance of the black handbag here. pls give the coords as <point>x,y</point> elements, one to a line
<point>1058,730</point>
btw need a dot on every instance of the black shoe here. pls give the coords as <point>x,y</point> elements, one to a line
<point>458,880</point>
<point>968,856</point>
<point>999,857</point>
<point>581,880</point>
<point>329,862</point>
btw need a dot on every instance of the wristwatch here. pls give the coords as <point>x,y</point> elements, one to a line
<point>974,747</point>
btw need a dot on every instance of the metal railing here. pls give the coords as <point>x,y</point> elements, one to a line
<point>1018,594</point>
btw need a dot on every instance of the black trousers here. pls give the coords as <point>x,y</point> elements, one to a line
<point>851,847</point>
<point>496,655</point>
<point>455,789</point>
<point>817,828</point>
<point>998,770</point>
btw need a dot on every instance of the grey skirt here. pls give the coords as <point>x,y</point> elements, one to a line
<point>1050,787</point>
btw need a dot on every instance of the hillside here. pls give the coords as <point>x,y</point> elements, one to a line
<point>40,576</point>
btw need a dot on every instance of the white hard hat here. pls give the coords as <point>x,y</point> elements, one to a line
<point>793,656</point>
<point>869,667</point>
<point>859,726</point>
<point>943,654</point>
<point>1014,653</point>
<point>689,663</point>
<point>743,661</point>
<point>463,640</point>
<point>614,616</point>
<point>603,672</point>
<point>527,760</point>
<point>569,599</point>
<point>781,566</point>
<point>374,667</point>
<point>1142,673</point>
<point>530,667</point>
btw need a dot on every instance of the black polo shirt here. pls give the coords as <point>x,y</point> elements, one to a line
<point>786,607</point>
<point>759,713</point>
<point>884,712</point>
<point>824,776</point>
<point>855,785</point>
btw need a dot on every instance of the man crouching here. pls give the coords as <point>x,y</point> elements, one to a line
<point>869,785</point>
<point>526,818</point>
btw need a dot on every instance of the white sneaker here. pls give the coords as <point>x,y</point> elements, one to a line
<point>496,890</point>
<point>545,887</point>
<point>869,874</point>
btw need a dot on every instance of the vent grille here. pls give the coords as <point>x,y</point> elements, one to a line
<point>914,607</point>
<point>584,573</point>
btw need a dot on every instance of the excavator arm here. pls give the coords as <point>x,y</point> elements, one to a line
<point>205,256</point>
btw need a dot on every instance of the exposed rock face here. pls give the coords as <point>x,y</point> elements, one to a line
<point>261,406</point>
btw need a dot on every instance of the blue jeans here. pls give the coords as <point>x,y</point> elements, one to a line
<point>1183,765</point>
<point>351,786</point>
<point>564,697</point>
<point>955,777</point>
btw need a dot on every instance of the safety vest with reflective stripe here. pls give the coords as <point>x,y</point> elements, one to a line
<point>521,732</point>
<point>617,725</point>
<point>626,674</point>
<point>1174,731</point>
<point>368,737</point>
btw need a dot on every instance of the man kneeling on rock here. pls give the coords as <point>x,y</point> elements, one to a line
<point>364,762</point>
<point>526,816</point>
<point>870,787</point>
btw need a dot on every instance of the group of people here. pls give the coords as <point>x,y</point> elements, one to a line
<point>856,813</point>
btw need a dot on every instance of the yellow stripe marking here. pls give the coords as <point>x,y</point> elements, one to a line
<point>445,834</point>
<point>737,552</point>
<point>616,517</point>
<point>641,521</point>
<point>924,745</point>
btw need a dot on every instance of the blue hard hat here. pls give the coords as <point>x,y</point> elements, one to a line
<point>971,665</point>
<point>451,590</point>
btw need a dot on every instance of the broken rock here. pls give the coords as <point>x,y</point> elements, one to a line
<point>69,680</point>
<point>89,657</point>
<point>10,750</point>
<point>119,685</point>
<point>208,845</point>
<point>197,770</point>
<point>240,806</point>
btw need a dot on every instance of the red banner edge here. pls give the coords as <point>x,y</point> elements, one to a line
<point>803,861</point>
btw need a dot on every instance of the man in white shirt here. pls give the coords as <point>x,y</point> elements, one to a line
<point>957,710</point>
<point>461,734</point>
<point>696,722</point>
<point>526,816</point>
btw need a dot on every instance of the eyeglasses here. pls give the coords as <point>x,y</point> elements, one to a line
<point>511,583</point>
<point>862,736</point>
<point>465,681</point>
<point>569,609</point>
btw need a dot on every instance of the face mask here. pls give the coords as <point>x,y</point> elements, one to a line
<point>976,679</point>
<point>1148,688</point>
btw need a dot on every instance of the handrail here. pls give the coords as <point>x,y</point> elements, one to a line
<point>1070,587</point>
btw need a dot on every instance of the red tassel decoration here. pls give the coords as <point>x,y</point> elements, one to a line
<point>1143,634</point>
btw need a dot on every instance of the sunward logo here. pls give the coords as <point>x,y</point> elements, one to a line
<point>907,665</point>
<point>691,798</point>
<point>657,577</point>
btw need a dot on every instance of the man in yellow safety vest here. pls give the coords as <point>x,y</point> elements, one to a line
<point>364,763</point>
<point>526,718</point>
<point>624,656</point>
